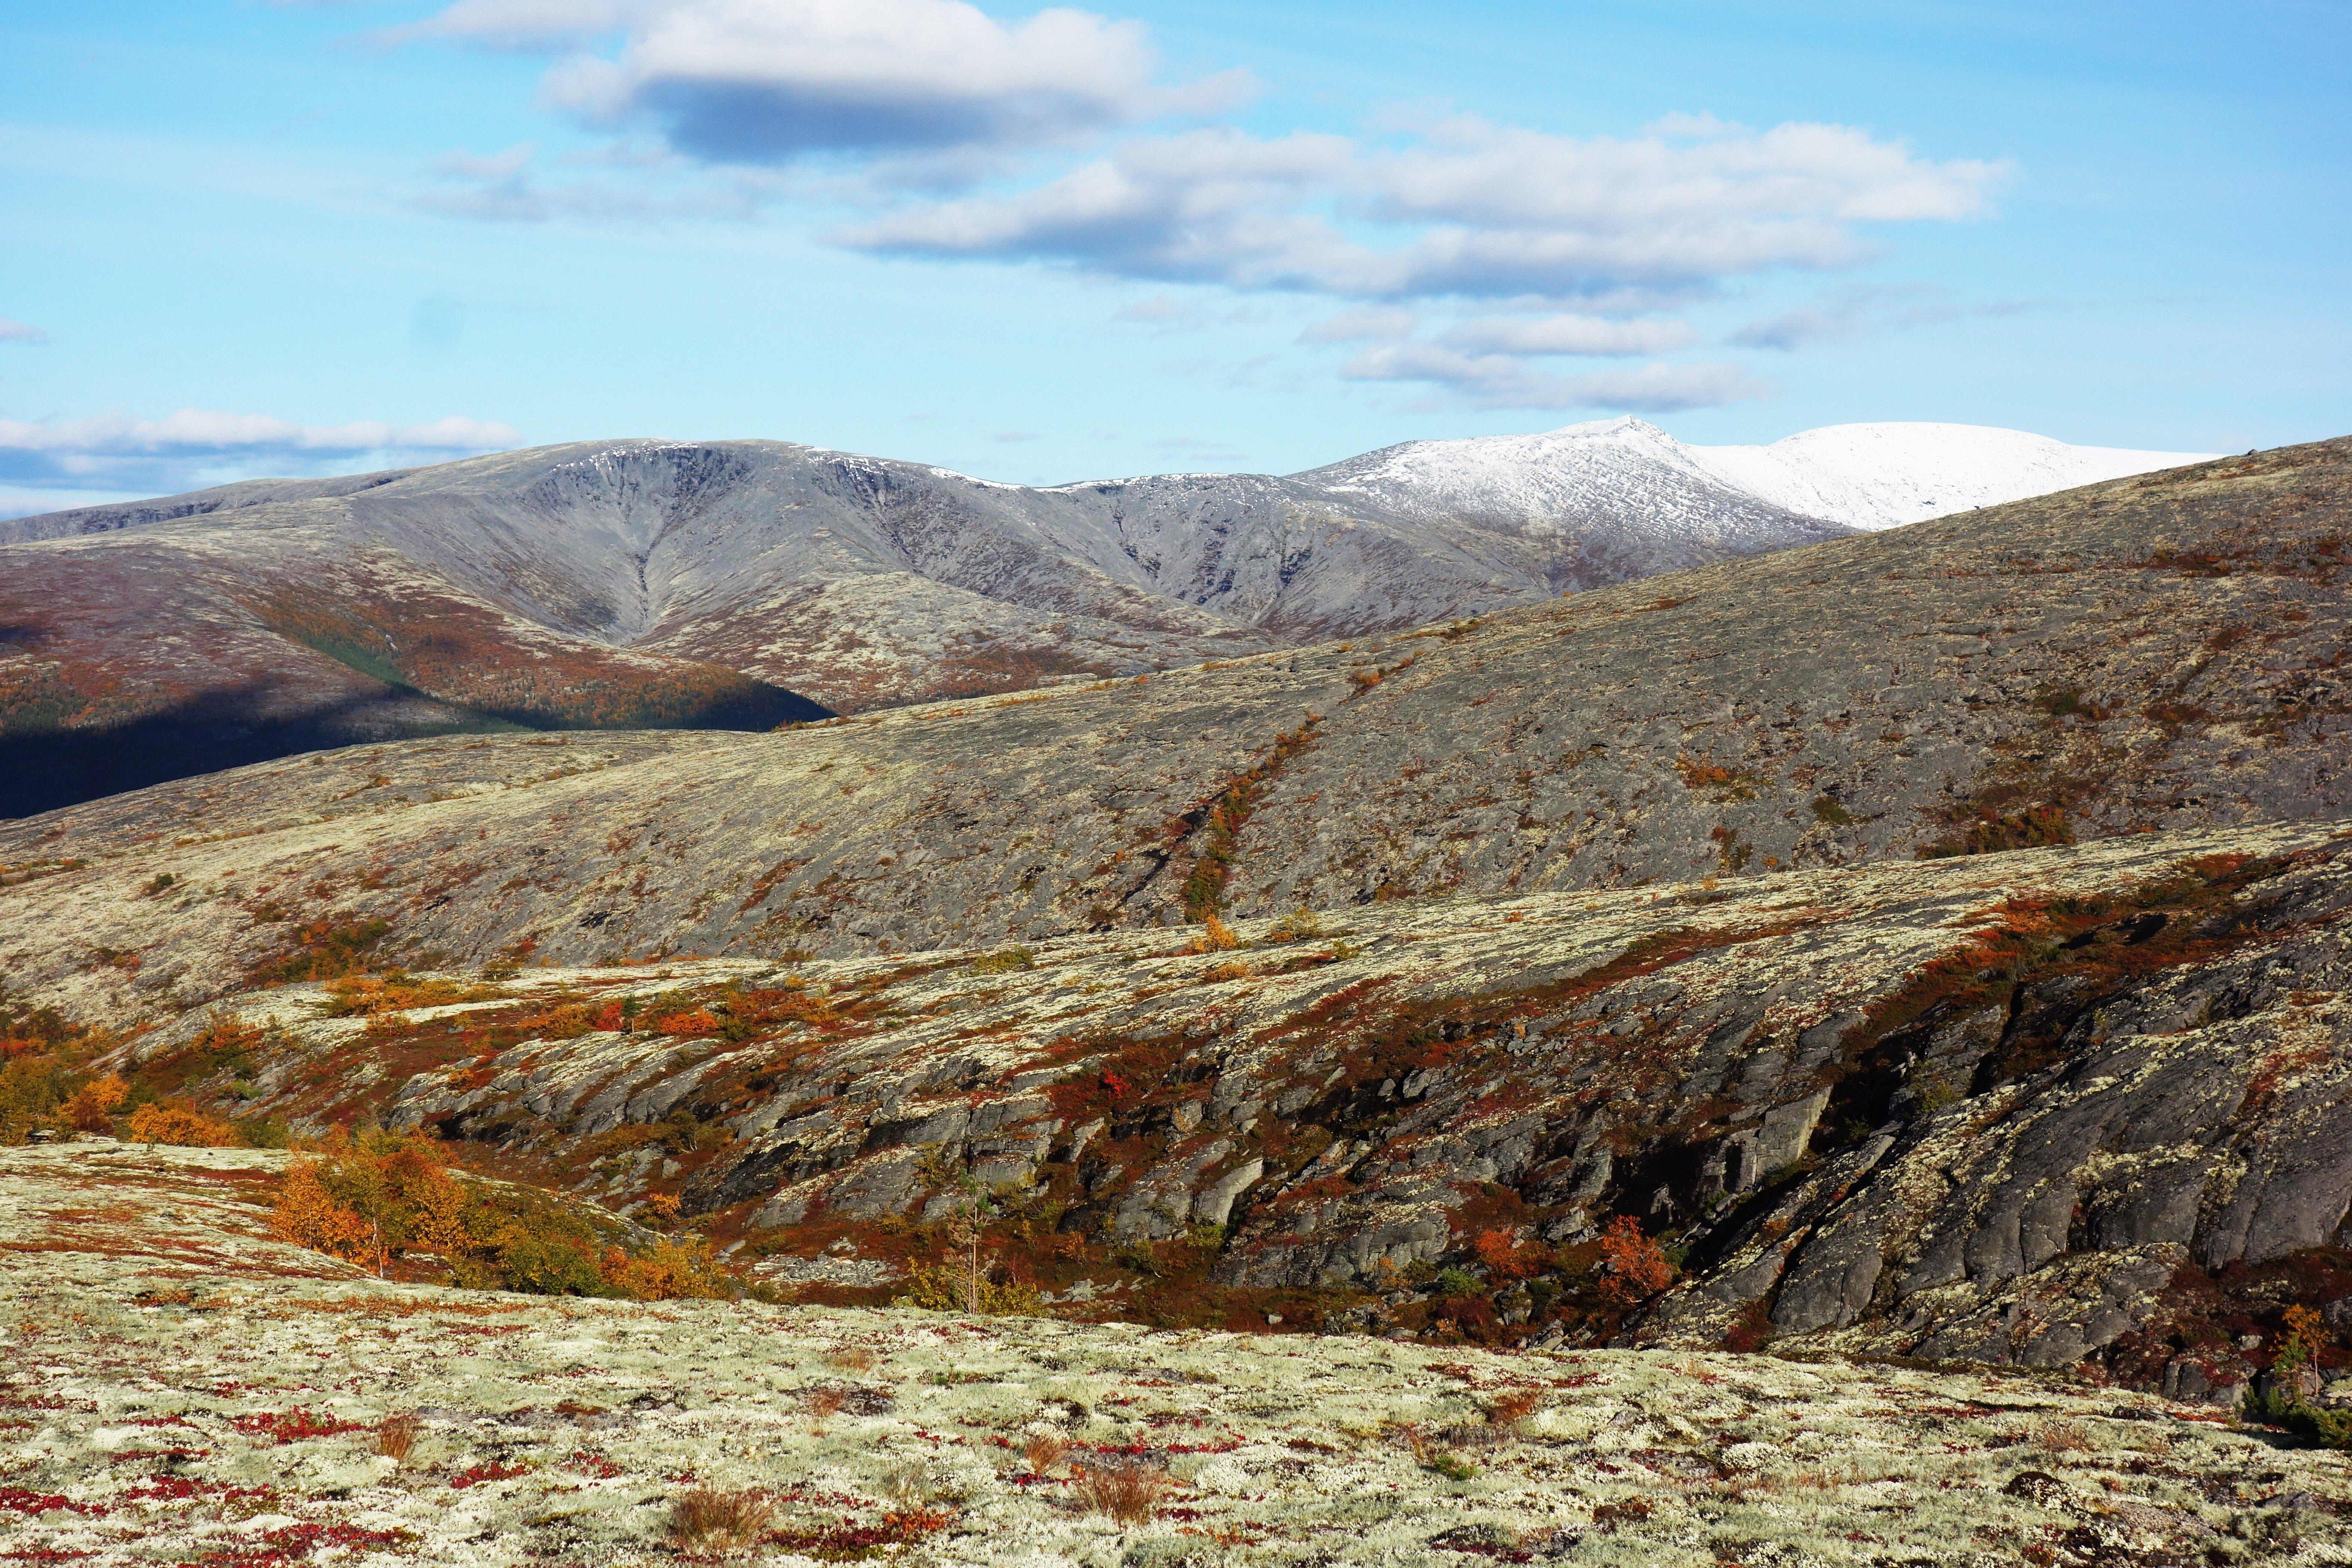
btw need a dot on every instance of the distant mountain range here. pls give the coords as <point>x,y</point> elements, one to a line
<point>743,584</point>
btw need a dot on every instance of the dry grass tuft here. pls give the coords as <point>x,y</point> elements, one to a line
<point>851,1358</point>
<point>908,1485</point>
<point>1129,1494</point>
<point>1043,1451</point>
<point>396,1436</point>
<point>824,1404</point>
<point>2061,1438</point>
<point>704,1520</point>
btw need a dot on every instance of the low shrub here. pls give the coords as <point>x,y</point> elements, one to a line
<point>1506,1258</point>
<point>93,1105</point>
<point>950,1288</point>
<point>176,1121</point>
<point>1214,936</point>
<point>1298,926</point>
<point>547,1266</point>
<point>1635,1266</point>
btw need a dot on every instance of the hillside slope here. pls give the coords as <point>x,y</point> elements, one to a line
<point>2158,653</point>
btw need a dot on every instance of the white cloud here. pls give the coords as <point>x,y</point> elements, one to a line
<point>1158,310</point>
<point>758,81</point>
<point>195,446</point>
<point>18,333</point>
<point>1491,211</point>
<point>1504,381</point>
<point>1569,334</point>
<point>1213,206</point>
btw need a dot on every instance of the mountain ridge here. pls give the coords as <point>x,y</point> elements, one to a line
<point>663,583</point>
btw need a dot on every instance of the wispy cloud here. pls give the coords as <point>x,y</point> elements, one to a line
<point>19,332</point>
<point>114,451</point>
<point>1373,322</point>
<point>1862,312</point>
<point>1569,334</point>
<point>1506,380</point>
<point>510,187</point>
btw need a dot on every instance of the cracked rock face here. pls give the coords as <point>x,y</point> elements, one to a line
<point>1988,1108</point>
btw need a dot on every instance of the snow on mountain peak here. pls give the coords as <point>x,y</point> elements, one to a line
<point>1885,475</point>
<point>1866,475</point>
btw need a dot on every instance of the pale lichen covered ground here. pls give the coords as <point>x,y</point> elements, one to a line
<point>175,1379</point>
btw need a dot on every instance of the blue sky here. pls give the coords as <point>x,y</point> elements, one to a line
<point>265,238</point>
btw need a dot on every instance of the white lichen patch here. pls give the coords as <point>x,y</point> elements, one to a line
<point>175,1392</point>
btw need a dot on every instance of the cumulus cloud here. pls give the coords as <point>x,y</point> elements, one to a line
<point>953,134</point>
<point>760,82</point>
<point>1505,381</point>
<point>18,333</point>
<point>117,452</point>
<point>1216,205</point>
<point>1491,211</point>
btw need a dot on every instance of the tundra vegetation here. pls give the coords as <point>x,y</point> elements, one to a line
<point>1916,1100</point>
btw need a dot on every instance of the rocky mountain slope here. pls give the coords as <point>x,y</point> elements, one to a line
<point>740,584</point>
<point>186,1390</point>
<point>2161,653</point>
<point>1937,936</point>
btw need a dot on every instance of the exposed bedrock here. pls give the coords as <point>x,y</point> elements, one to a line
<point>1994,1107</point>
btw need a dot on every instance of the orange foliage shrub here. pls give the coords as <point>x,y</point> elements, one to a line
<point>175,1121</point>
<point>701,1021</point>
<point>667,1273</point>
<point>1635,1268</point>
<point>1214,936</point>
<point>1505,1258</point>
<point>93,1105</point>
<point>368,1197</point>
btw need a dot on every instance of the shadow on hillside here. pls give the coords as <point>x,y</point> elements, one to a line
<point>45,769</point>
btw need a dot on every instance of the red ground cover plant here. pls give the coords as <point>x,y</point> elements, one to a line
<point>292,1426</point>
